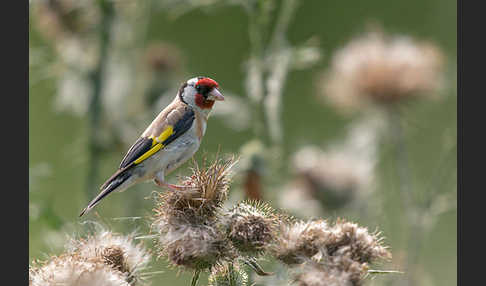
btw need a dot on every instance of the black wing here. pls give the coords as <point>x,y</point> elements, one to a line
<point>144,144</point>
<point>181,126</point>
<point>140,147</point>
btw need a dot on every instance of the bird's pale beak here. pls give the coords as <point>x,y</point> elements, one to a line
<point>216,95</point>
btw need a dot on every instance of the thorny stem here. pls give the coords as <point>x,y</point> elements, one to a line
<point>413,214</point>
<point>279,70</point>
<point>258,19</point>
<point>267,71</point>
<point>258,15</point>
<point>256,95</point>
<point>283,21</point>
<point>267,102</point>
<point>273,100</point>
<point>94,114</point>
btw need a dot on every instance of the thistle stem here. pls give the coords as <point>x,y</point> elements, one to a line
<point>258,19</point>
<point>413,213</point>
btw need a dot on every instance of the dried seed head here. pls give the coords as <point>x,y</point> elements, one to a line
<point>341,174</point>
<point>188,221</point>
<point>320,276</point>
<point>227,274</point>
<point>251,226</point>
<point>211,182</point>
<point>115,257</point>
<point>201,203</point>
<point>75,270</point>
<point>382,69</point>
<point>347,250</point>
<point>333,177</point>
<point>315,274</point>
<point>353,270</point>
<point>118,251</point>
<point>193,246</point>
<point>299,241</point>
<point>348,238</point>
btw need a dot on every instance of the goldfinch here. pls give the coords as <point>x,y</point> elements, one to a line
<point>171,139</point>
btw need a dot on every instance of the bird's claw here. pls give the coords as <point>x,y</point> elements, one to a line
<point>171,186</point>
<point>177,187</point>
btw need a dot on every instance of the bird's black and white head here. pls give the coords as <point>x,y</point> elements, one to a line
<point>200,93</point>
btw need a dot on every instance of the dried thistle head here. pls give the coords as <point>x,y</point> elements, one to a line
<point>334,177</point>
<point>317,274</point>
<point>211,182</point>
<point>188,221</point>
<point>348,238</point>
<point>346,251</point>
<point>251,226</point>
<point>382,69</point>
<point>193,246</point>
<point>227,274</point>
<point>115,257</point>
<point>117,251</point>
<point>299,241</point>
<point>208,190</point>
<point>340,175</point>
<point>75,270</point>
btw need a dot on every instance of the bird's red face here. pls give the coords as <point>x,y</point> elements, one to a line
<point>207,93</point>
<point>200,92</point>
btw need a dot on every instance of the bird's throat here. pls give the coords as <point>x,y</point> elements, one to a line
<point>203,103</point>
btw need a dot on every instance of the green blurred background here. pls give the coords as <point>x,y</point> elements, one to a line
<point>214,42</point>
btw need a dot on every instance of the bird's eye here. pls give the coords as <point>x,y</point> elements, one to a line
<point>203,90</point>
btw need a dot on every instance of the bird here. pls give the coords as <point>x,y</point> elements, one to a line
<point>171,139</point>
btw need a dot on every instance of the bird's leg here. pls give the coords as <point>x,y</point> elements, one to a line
<point>173,187</point>
<point>160,181</point>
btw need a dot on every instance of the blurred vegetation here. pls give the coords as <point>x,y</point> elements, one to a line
<point>99,71</point>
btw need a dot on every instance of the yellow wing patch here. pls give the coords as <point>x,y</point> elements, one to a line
<point>156,144</point>
<point>164,135</point>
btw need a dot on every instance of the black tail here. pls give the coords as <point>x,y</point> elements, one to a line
<point>108,187</point>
